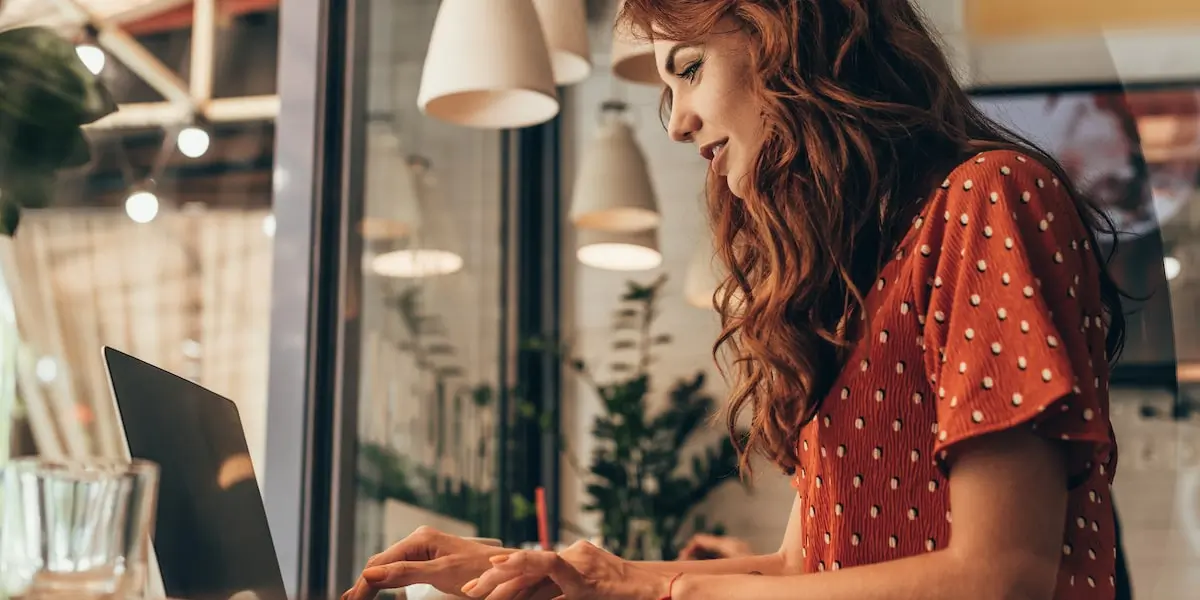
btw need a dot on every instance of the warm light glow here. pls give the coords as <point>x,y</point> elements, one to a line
<point>93,57</point>
<point>268,225</point>
<point>416,263</point>
<point>616,256</point>
<point>1172,267</point>
<point>46,369</point>
<point>193,142</point>
<point>234,470</point>
<point>142,206</point>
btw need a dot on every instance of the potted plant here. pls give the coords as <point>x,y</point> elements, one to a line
<point>46,96</point>
<point>638,479</point>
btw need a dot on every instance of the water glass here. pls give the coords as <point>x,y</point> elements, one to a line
<point>76,530</point>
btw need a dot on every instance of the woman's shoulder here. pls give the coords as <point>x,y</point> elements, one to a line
<point>999,185</point>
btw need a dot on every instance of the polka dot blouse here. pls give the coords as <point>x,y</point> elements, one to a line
<point>989,317</point>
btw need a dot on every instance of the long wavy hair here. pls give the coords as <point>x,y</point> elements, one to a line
<point>864,117</point>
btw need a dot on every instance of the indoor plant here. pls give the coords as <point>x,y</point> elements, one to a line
<point>637,478</point>
<point>46,96</point>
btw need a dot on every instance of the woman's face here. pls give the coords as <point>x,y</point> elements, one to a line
<point>713,102</point>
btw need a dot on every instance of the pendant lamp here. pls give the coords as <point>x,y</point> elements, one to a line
<point>488,66</point>
<point>700,284</point>
<point>565,24</point>
<point>618,251</point>
<point>390,211</point>
<point>431,252</point>
<point>633,56</point>
<point>613,191</point>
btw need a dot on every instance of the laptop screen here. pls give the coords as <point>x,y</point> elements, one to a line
<point>211,535</point>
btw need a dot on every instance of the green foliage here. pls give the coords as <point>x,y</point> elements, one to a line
<point>385,474</point>
<point>637,472</point>
<point>46,95</point>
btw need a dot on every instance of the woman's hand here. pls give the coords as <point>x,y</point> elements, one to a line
<point>427,556</point>
<point>582,572</point>
<point>703,546</point>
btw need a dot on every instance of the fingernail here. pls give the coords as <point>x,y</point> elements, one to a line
<point>466,589</point>
<point>374,573</point>
<point>499,558</point>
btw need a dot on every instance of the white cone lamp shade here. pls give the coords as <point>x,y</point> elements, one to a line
<point>433,250</point>
<point>391,210</point>
<point>565,24</point>
<point>618,251</point>
<point>633,56</point>
<point>613,191</point>
<point>488,66</point>
<point>700,284</point>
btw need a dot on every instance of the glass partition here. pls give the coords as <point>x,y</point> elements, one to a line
<point>431,319</point>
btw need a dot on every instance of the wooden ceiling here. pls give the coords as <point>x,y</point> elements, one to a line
<point>138,17</point>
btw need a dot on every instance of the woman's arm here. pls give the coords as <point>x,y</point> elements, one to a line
<point>1009,495</point>
<point>776,563</point>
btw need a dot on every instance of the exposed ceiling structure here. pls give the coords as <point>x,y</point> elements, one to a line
<point>113,24</point>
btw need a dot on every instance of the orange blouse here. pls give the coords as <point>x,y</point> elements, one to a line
<point>989,317</point>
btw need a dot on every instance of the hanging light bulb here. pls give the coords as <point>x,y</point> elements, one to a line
<point>92,56</point>
<point>430,252</point>
<point>141,206</point>
<point>193,142</point>
<point>488,66</point>
<point>613,191</point>
<point>268,225</point>
<point>565,25</point>
<point>618,251</point>
<point>1172,267</point>
<point>633,56</point>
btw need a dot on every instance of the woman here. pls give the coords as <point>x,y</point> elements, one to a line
<point>918,318</point>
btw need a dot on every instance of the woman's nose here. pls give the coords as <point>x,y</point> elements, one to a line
<point>683,125</point>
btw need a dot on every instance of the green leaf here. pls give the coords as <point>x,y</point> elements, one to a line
<point>526,410</point>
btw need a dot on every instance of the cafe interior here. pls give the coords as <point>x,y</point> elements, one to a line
<point>416,305</point>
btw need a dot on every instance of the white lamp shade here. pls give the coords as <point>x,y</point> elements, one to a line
<point>565,24</point>
<point>613,191</point>
<point>488,66</point>
<point>700,284</point>
<point>618,251</point>
<point>432,250</point>
<point>391,210</point>
<point>633,57</point>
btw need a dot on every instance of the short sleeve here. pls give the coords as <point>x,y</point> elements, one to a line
<point>1014,326</point>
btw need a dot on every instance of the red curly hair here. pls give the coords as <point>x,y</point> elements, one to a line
<point>864,117</point>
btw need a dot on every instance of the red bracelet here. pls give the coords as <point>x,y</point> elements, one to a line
<point>671,587</point>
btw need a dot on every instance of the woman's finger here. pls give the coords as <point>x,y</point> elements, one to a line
<point>563,573</point>
<point>401,574</point>
<point>360,591</point>
<point>500,574</point>
<point>518,588</point>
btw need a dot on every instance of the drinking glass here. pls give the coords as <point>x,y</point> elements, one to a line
<point>76,530</point>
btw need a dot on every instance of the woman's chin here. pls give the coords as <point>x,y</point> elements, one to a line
<point>737,186</point>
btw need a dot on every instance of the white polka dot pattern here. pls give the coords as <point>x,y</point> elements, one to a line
<point>983,324</point>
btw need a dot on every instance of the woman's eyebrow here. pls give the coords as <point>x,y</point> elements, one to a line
<point>670,62</point>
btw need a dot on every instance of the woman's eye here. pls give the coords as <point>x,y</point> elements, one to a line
<point>689,73</point>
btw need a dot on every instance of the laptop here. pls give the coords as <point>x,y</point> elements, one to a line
<point>211,540</point>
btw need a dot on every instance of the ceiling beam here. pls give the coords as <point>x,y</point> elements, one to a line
<point>132,54</point>
<point>144,115</point>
